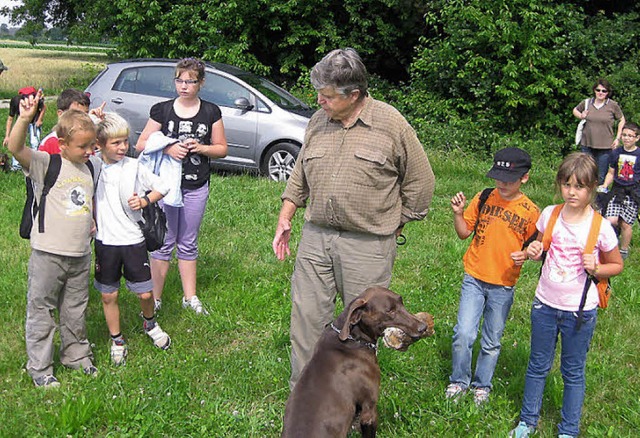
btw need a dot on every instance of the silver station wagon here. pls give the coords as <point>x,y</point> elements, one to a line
<point>264,124</point>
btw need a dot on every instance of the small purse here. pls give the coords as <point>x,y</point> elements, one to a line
<point>580,127</point>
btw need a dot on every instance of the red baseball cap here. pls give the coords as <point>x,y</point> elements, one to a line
<point>27,91</point>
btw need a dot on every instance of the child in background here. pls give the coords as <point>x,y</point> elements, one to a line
<point>35,124</point>
<point>555,308</point>
<point>120,245</point>
<point>61,255</point>
<point>624,196</point>
<point>69,99</point>
<point>492,266</point>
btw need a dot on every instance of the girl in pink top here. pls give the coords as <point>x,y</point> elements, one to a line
<point>555,307</point>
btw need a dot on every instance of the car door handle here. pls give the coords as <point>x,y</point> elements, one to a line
<point>117,100</point>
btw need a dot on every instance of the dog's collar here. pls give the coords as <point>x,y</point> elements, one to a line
<point>370,345</point>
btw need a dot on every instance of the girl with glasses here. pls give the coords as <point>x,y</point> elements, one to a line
<point>194,132</point>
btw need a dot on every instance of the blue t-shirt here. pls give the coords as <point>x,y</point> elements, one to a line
<point>626,166</point>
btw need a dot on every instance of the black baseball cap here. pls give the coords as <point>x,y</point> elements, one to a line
<point>510,164</point>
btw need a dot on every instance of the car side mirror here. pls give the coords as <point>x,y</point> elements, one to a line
<point>243,104</point>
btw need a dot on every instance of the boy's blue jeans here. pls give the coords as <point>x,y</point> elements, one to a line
<point>479,300</point>
<point>546,324</point>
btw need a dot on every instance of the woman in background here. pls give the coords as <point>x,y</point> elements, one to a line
<point>601,114</point>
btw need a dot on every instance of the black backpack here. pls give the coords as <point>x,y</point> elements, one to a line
<point>32,207</point>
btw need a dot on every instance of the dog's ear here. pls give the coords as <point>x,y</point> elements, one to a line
<point>353,317</point>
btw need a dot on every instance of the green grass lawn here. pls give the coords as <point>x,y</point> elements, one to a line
<point>226,375</point>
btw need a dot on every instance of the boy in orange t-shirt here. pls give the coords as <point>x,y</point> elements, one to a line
<point>492,266</point>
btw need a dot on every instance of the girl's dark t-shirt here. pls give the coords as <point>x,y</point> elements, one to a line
<point>195,167</point>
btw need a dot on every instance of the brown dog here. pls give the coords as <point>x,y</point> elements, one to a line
<point>342,379</point>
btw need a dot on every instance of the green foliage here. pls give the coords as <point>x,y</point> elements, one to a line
<point>277,37</point>
<point>609,47</point>
<point>467,72</point>
<point>506,62</point>
<point>83,77</point>
<point>521,65</point>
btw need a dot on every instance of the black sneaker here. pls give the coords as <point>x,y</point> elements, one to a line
<point>46,381</point>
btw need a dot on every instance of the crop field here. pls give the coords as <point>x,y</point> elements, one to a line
<point>53,70</point>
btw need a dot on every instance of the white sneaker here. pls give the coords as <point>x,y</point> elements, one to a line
<point>160,338</point>
<point>480,395</point>
<point>194,304</point>
<point>522,431</point>
<point>118,354</point>
<point>157,305</point>
<point>454,391</point>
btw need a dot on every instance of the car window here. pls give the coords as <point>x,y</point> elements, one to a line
<point>222,91</point>
<point>152,81</point>
<point>278,95</point>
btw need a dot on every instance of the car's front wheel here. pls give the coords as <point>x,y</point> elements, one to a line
<point>278,162</point>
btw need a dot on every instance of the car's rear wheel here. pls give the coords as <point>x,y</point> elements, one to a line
<point>278,162</point>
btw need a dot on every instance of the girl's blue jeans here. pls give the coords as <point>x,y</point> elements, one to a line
<point>546,324</point>
<point>479,300</point>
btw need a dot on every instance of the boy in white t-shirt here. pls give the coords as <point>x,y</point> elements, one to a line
<point>120,245</point>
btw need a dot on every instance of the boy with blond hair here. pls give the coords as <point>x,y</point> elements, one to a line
<point>120,245</point>
<point>61,253</point>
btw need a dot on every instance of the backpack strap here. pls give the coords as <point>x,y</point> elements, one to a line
<point>592,239</point>
<point>53,170</point>
<point>481,201</point>
<point>92,170</point>
<point>95,173</point>
<point>548,231</point>
<point>530,240</point>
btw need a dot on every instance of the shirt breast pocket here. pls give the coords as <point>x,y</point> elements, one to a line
<point>314,164</point>
<point>371,168</point>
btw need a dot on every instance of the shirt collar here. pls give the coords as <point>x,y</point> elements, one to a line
<point>366,115</point>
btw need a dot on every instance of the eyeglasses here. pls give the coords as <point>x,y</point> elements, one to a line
<point>185,81</point>
<point>600,90</point>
